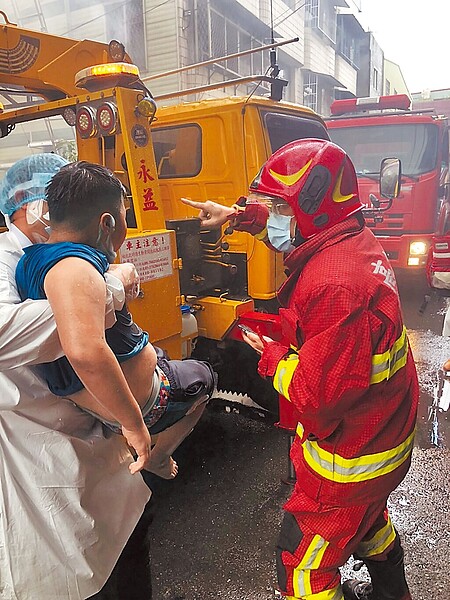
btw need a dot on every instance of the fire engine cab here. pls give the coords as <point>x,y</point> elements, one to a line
<point>370,129</point>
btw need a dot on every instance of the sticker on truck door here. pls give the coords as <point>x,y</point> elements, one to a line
<point>150,254</point>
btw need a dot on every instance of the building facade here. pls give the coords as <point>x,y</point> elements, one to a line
<point>333,57</point>
<point>192,31</point>
<point>394,82</point>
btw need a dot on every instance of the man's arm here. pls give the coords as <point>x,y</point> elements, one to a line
<point>251,218</point>
<point>127,274</point>
<point>212,215</point>
<point>77,293</point>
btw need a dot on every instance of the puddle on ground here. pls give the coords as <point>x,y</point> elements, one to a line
<point>430,351</point>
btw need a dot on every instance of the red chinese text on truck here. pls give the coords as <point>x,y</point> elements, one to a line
<point>371,129</point>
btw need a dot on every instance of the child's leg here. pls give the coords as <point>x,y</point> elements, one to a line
<point>191,384</point>
<point>161,461</point>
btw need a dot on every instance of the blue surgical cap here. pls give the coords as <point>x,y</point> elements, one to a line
<point>30,177</point>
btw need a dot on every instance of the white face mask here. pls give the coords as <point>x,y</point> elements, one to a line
<point>279,232</point>
<point>37,212</point>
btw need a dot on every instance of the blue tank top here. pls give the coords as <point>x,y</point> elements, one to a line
<point>125,338</point>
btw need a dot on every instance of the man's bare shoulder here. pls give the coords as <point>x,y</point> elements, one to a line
<point>75,275</point>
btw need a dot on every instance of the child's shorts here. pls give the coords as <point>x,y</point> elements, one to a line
<point>182,384</point>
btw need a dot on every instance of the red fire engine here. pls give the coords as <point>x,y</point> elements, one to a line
<point>371,129</point>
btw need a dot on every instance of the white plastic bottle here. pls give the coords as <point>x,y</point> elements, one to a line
<point>189,330</point>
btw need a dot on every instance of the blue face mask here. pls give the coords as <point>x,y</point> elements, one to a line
<point>279,232</point>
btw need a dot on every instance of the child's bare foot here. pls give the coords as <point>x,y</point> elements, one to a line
<point>167,469</point>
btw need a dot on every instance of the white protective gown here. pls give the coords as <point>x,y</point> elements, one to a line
<point>68,502</point>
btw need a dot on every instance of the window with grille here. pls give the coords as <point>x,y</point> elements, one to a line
<point>321,15</point>
<point>310,91</point>
<point>217,35</point>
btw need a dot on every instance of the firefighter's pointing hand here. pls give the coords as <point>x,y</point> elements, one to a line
<point>212,214</point>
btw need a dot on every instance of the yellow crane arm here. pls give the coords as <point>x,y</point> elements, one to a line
<point>46,64</point>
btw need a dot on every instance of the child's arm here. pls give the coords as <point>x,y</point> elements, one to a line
<point>76,292</point>
<point>127,274</point>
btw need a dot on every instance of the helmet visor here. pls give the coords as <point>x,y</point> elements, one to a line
<point>275,204</point>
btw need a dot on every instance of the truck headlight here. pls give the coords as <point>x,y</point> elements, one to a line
<point>418,248</point>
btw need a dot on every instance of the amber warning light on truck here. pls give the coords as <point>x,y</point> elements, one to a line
<point>97,76</point>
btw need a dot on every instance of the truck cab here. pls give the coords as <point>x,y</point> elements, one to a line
<point>370,129</point>
<point>210,149</point>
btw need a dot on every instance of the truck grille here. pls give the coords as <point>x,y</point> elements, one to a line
<point>392,223</point>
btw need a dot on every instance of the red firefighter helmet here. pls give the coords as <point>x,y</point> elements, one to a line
<point>316,178</point>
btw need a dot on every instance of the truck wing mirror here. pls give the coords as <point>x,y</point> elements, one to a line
<point>390,177</point>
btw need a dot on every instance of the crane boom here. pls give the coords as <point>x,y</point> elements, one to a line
<point>46,64</point>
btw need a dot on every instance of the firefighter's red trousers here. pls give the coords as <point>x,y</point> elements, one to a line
<point>315,540</point>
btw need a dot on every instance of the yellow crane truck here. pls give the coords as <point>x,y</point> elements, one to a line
<point>210,149</point>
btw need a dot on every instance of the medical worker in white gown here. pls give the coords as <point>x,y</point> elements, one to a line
<point>68,502</point>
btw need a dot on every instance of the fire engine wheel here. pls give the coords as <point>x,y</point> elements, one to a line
<point>236,365</point>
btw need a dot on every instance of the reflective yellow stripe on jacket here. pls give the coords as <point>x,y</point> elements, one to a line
<point>284,373</point>
<point>355,470</point>
<point>385,365</point>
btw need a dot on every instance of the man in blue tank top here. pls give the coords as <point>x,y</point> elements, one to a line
<point>115,375</point>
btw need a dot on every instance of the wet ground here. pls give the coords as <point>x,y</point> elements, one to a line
<point>430,351</point>
<point>215,526</point>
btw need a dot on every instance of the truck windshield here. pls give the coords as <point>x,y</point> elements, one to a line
<point>283,128</point>
<point>415,144</point>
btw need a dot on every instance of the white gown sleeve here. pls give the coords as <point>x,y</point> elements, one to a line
<point>27,334</point>
<point>27,329</point>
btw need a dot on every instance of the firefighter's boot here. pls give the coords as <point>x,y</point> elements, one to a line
<point>388,579</point>
<point>354,589</point>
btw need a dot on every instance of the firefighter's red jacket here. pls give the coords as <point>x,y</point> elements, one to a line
<point>349,370</point>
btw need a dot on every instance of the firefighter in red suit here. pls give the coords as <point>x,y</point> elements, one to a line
<point>347,369</point>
